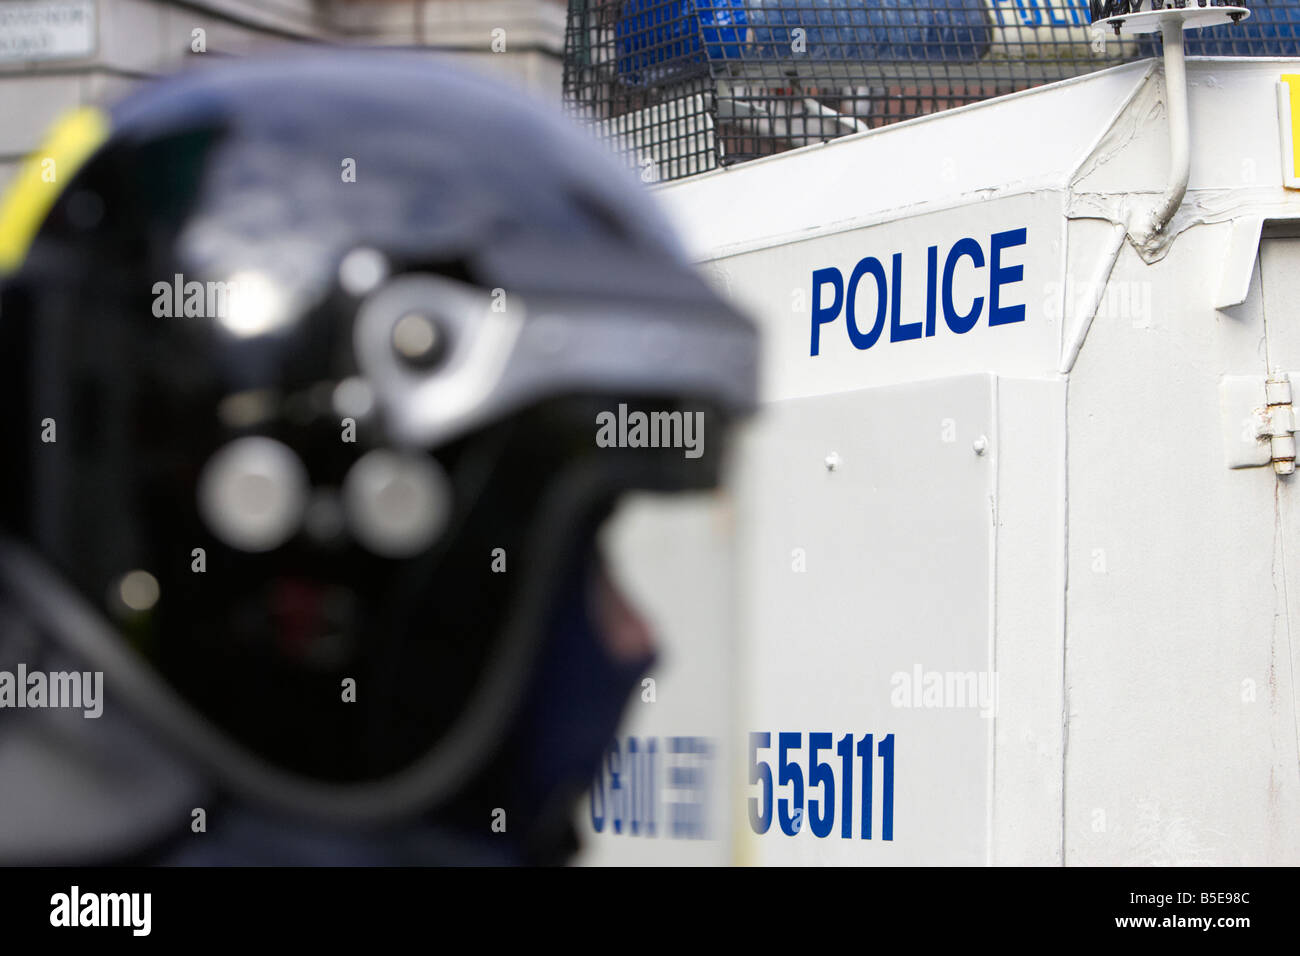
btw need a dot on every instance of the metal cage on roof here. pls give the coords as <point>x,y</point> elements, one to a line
<point>684,86</point>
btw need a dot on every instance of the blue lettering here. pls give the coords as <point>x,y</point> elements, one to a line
<point>598,789</point>
<point>616,786</point>
<point>939,292</point>
<point>1000,275</point>
<point>961,324</point>
<point>897,331</point>
<point>859,339</point>
<point>821,315</point>
<point>931,273</point>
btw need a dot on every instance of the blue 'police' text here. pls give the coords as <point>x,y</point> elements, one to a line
<point>865,313</point>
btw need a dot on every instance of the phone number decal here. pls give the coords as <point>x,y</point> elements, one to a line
<point>823,784</point>
<point>639,783</point>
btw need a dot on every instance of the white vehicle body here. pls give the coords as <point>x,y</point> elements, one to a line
<point>1051,553</point>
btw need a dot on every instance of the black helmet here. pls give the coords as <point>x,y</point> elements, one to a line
<point>302,364</point>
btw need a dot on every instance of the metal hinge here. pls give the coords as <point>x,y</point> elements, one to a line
<point>1256,433</point>
<point>1279,423</point>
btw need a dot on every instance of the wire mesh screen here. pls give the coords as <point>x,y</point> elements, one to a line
<point>683,86</point>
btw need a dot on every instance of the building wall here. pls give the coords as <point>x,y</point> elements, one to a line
<point>133,40</point>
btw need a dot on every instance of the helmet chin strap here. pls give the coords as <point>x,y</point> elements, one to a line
<point>432,780</point>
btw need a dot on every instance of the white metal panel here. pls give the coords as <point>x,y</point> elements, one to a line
<point>1233,175</point>
<point>776,285</point>
<point>1279,267</point>
<point>857,578</point>
<point>1239,261</point>
<point>1029,653</point>
<point>1176,616</point>
<point>1234,128</point>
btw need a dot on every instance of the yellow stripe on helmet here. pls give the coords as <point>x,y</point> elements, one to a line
<point>42,177</point>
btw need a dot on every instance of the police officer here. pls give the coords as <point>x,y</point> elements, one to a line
<point>300,364</point>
